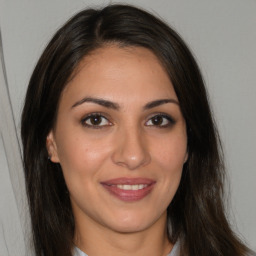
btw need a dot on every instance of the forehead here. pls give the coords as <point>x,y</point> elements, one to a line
<point>120,72</point>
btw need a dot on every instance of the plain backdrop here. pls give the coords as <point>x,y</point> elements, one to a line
<point>221,34</point>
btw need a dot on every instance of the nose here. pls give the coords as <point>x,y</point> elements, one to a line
<point>131,149</point>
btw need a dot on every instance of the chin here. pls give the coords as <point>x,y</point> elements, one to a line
<point>131,223</point>
<point>130,228</point>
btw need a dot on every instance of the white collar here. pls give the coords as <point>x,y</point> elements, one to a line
<point>174,251</point>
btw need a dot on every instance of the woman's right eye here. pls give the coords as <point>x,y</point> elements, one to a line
<point>95,121</point>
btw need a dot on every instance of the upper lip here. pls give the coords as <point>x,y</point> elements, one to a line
<point>128,181</point>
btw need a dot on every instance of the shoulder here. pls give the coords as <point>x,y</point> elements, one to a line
<point>175,250</point>
<point>78,252</point>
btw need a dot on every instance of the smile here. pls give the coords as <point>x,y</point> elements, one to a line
<point>129,190</point>
<point>131,187</point>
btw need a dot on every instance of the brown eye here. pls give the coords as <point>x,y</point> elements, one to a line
<point>157,120</point>
<point>160,120</point>
<point>95,121</point>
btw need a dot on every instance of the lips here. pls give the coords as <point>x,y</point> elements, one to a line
<point>128,189</point>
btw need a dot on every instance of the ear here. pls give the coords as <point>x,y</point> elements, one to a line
<point>186,157</point>
<point>52,148</point>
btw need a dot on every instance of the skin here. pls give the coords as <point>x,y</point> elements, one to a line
<point>130,141</point>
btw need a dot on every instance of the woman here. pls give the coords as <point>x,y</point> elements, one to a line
<point>121,153</point>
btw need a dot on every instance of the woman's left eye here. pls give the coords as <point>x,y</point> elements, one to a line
<point>160,120</point>
<point>95,121</point>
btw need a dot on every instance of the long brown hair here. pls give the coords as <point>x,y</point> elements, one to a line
<point>196,215</point>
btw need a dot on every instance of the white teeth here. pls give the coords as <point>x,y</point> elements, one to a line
<point>132,187</point>
<point>141,186</point>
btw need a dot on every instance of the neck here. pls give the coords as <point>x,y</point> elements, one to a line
<point>97,240</point>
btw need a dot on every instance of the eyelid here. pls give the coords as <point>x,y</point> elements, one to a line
<point>95,114</point>
<point>170,119</point>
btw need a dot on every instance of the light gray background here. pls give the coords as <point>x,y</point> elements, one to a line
<point>221,33</point>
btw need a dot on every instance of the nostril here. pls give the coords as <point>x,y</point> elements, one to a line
<point>131,150</point>
<point>131,161</point>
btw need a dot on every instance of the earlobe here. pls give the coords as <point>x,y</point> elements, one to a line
<point>52,148</point>
<point>186,157</point>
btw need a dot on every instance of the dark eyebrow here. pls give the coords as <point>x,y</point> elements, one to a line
<point>115,106</point>
<point>156,103</point>
<point>102,102</point>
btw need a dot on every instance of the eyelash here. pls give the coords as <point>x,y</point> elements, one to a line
<point>95,126</point>
<point>164,118</point>
<point>170,121</point>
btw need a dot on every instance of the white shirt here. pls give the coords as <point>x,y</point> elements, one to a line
<point>174,251</point>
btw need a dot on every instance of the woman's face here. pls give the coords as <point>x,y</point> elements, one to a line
<point>120,139</point>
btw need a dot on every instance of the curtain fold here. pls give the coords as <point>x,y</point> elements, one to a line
<point>14,217</point>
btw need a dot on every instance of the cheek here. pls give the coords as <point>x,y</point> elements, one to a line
<point>171,153</point>
<point>81,165</point>
<point>170,156</point>
<point>79,155</point>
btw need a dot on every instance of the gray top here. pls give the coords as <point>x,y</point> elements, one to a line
<point>174,252</point>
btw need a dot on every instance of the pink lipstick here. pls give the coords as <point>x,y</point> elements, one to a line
<point>129,189</point>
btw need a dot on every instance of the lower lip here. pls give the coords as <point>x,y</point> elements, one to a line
<point>129,195</point>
